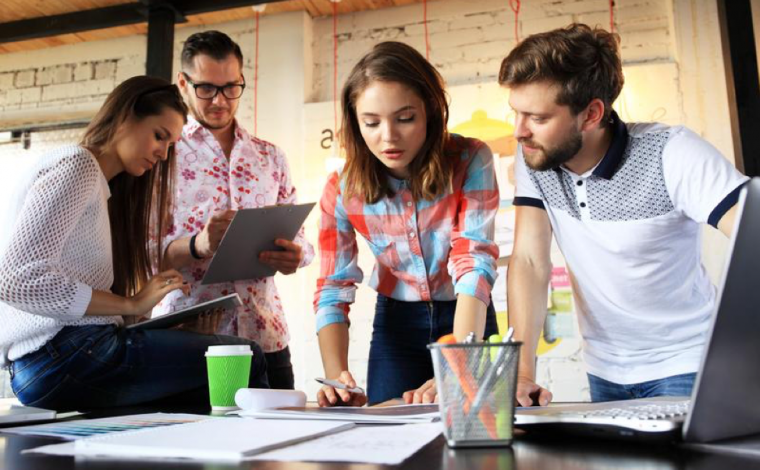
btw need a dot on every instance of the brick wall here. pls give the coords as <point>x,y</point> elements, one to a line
<point>469,39</point>
<point>65,83</point>
<point>57,85</point>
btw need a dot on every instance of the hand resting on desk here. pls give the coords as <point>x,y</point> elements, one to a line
<point>330,396</point>
<point>427,393</point>
<point>529,393</point>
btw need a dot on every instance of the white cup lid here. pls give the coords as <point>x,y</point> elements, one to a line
<point>229,350</point>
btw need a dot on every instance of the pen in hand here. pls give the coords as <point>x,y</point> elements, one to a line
<point>339,385</point>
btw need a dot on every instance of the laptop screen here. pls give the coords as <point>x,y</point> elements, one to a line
<point>725,396</point>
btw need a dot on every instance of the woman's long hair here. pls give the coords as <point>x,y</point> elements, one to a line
<point>430,171</point>
<point>138,205</point>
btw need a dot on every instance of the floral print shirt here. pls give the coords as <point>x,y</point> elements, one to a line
<point>256,175</point>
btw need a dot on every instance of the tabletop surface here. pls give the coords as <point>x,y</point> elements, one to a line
<point>526,452</point>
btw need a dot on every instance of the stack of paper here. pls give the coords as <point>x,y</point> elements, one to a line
<point>388,445</point>
<point>213,439</point>
<point>402,414</point>
<point>79,429</point>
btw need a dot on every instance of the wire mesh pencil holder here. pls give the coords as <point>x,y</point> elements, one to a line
<point>476,385</point>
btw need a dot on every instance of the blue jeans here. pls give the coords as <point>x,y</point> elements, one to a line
<point>85,367</point>
<point>398,356</point>
<point>674,386</point>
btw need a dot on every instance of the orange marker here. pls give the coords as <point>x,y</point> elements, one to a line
<point>447,339</point>
<point>457,361</point>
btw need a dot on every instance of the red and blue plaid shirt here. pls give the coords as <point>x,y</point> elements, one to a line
<point>424,250</point>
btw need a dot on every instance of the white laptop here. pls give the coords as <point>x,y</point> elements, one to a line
<point>725,401</point>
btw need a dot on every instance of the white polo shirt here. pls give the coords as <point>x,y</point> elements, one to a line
<point>629,230</point>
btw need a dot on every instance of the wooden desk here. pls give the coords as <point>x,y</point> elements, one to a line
<point>525,454</point>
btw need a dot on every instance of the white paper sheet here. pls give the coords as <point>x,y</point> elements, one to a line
<point>66,450</point>
<point>386,444</point>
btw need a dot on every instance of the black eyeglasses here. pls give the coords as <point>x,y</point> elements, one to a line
<point>208,91</point>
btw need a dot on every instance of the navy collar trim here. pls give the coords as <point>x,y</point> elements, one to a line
<point>614,156</point>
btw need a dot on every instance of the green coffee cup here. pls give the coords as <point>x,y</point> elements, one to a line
<point>229,368</point>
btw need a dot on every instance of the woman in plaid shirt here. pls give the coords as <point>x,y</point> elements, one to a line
<point>425,202</point>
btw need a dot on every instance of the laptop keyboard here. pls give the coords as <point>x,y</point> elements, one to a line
<point>646,412</point>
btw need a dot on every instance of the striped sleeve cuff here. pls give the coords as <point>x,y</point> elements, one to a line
<point>476,285</point>
<point>528,201</point>
<point>725,205</point>
<point>329,315</point>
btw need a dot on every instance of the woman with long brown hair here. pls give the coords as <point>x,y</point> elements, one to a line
<point>77,265</point>
<point>425,202</point>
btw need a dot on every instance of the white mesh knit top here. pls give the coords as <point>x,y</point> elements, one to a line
<point>55,249</point>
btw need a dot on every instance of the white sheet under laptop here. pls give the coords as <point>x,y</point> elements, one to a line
<point>724,403</point>
<point>12,412</point>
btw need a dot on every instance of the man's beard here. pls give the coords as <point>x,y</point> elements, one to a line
<point>557,156</point>
<point>198,117</point>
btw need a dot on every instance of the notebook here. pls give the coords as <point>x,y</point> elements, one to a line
<point>228,302</point>
<point>251,232</point>
<point>213,439</point>
<point>724,402</point>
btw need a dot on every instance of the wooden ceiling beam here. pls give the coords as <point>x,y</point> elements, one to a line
<point>111,17</point>
<point>77,22</point>
<point>197,7</point>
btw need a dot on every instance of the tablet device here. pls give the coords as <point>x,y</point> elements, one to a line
<point>251,232</point>
<point>169,320</point>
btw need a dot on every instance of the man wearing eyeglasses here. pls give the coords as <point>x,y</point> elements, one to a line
<point>221,168</point>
